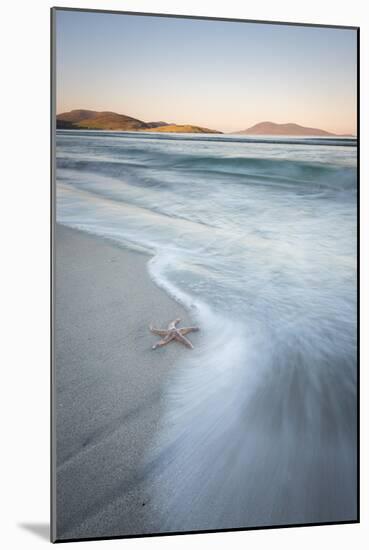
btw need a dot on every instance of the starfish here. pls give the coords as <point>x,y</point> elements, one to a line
<point>173,333</point>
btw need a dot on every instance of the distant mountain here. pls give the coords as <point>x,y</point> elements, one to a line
<point>95,120</point>
<point>290,129</point>
<point>157,124</point>
<point>182,129</point>
<point>80,119</point>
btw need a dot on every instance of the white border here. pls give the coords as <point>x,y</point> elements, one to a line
<point>24,47</point>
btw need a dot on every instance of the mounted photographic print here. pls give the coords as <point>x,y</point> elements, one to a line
<point>204,262</point>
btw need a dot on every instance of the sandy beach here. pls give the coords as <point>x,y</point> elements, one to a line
<point>109,384</point>
<point>257,425</point>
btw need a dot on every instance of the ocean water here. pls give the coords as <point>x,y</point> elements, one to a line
<point>257,238</point>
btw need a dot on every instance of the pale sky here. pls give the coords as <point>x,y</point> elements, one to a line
<point>218,74</point>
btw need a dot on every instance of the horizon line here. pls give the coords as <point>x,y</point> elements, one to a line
<point>211,127</point>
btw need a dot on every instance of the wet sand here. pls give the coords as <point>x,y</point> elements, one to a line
<point>109,385</point>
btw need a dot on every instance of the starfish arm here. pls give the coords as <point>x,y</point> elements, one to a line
<point>183,340</point>
<point>164,341</point>
<point>158,331</point>
<point>186,330</point>
<point>173,324</point>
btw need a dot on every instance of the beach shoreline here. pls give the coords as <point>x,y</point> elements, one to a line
<point>266,402</point>
<point>109,384</point>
